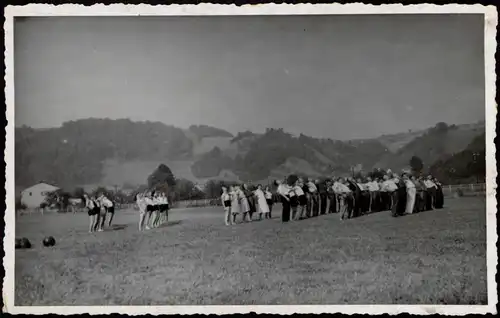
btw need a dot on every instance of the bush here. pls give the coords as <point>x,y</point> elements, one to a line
<point>20,205</point>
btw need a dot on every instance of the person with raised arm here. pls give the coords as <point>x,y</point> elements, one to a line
<point>284,192</point>
<point>270,201</point>
<point>431,193</point>
<point>439,194</point>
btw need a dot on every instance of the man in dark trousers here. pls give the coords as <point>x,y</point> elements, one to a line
<point>332,198</point>
<point>305,188</point>
<point>399,203</point>
<point>283,191</point>
<point>439,203</point>
<point>323,196</point>
<point>356,192</point>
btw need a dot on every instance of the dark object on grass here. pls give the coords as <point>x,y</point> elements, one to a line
<point>18,243</point>
<point>24,243</point>
<point>49,241</point>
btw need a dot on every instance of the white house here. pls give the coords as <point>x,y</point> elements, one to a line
<point>33,196</point>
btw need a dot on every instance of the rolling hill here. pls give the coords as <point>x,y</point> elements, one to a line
<point>116,152</point>
<point>432,145</point>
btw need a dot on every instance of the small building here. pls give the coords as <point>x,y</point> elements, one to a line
<point>35,195</point>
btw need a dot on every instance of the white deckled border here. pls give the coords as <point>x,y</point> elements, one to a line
<point>490,16</point>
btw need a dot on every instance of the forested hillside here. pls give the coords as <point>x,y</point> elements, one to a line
<point>92,151</point>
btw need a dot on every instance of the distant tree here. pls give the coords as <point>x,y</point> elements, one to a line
<point>78,192</point>
<point>377,173</point>
<point>416,165</point>
<point>161,179</point>
<point>101,190</point>
<point>128,186</point>
<point>213,188</point>
<point>358,175</point>
<point>441,127</point>
<point>119,197</point>
<point>186,190</point>
<point>19,204</point>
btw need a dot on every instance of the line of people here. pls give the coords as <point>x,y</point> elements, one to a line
<point>242,200</point>
<point>153,209</point>
<point>304,198</point>
<point>98,209</point>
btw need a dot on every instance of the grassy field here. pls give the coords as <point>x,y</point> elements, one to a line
<point>436,257</point>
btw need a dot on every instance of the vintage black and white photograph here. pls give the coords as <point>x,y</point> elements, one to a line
<point>260,159</point>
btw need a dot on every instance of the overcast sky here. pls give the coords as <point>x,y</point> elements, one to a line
<point>327,76</point>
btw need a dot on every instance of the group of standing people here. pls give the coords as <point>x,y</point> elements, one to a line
<point>98,209</point>
<point>153,209</point>
<point>241,200</point>
<point>405,194</point>
<point>417,194</point>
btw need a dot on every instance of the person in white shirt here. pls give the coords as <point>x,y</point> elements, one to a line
<point>388,189</point>
<point>312,190</point>
<point>108,207</point>
<point>364,197</point>
<point>226,203</point>
<point>260,196</point>
<point>270,201</point>
<point>411,194</point>
<point>284,192</point>
<point>374,191</point>
<point>301,200</point>
<point>344,195</point>
<point>431,193</point>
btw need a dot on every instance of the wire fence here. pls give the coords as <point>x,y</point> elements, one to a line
<point>464,189</point>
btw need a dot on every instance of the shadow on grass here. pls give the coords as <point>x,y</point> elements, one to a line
<point>170,223</point>
<point>118,227</point>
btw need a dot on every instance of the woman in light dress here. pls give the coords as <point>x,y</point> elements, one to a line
<point>263,207</point>
<point>244,205</point>
<point>226,203</point>
<point>411,194</point>
<point>235,202</point>
<point>140,200</point>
